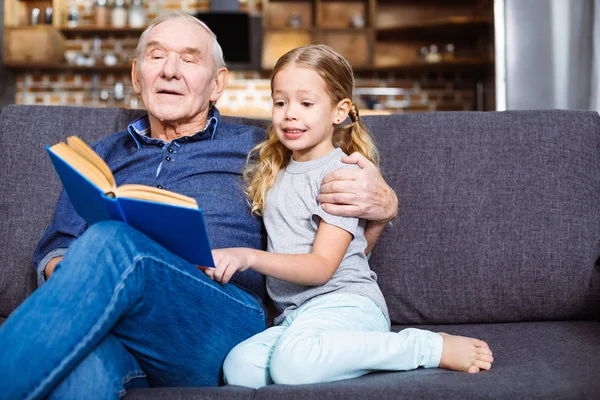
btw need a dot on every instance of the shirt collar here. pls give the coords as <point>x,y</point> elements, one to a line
<point>139,130</point>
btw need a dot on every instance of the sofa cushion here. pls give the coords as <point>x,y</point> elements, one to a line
<point>536,360</point>
<point>544,360</point>
<point>499,216</point>
<point>31,186</point>
<point>222,393</point>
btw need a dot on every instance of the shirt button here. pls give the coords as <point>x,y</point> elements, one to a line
<point>168,158</point>
<point>159,186</point>
<point>170,150</point>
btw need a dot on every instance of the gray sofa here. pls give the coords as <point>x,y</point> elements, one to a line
<point>498,237</point>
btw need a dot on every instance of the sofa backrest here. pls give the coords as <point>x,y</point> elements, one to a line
<point>499,216</point>
<point>499,213</point>
<point>31,186</point>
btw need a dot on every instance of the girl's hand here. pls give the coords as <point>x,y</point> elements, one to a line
<point>228,262</point>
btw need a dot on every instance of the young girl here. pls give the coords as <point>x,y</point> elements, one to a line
<point>333,322</point>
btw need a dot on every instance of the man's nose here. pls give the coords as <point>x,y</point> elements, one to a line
<point>171,68</point>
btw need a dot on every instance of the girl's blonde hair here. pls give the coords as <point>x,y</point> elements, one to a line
<point>270,156</point>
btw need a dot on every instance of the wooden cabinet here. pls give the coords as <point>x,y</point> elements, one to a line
<point>344,25</point>
<point>431,33</point>
<point>18,13</point>
<point>30,37</point>
<point>40,45</point>
<point>385,35</point>
<point>374,35</point>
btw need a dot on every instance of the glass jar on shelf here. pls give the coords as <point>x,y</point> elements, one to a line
<point>72,14</point>
<point>449,52</point>
<point>434,55</point>
<point>137,14</point>
<point>100,13</point>
<point>118,14</point>
<point>423,52</point>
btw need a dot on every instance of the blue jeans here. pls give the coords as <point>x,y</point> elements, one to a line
<point>120,311</point>
<point>331,337</point>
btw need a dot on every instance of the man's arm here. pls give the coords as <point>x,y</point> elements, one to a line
<point>66,226</point>
<point>50,266</point>
<point>361,193</point>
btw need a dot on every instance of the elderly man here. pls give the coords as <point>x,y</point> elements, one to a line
<point>119,311</point>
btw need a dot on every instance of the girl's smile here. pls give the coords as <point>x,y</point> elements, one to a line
<point>292,133</point>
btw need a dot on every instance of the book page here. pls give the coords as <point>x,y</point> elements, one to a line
<point>83,165</point>
<point>89,154</point>
<point>143,192</point>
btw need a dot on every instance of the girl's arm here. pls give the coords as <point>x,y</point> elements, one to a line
<point>361,193</point>
<point>312,269</point>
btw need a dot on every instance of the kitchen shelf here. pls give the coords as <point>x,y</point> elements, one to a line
<point>462,63</point>
<point>317,29</point>
<point>99,30</point>
<point>425,2</point>
<point>290,30</point>
<point>461,26</point>
<point>67,67</point>
<point>349,31</point>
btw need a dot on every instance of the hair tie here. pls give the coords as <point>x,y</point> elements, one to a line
<point>353,113</point>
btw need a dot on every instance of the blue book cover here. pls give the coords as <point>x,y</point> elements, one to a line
<point>179,229</point>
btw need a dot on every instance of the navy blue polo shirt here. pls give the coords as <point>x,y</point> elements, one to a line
<point>206,166</point>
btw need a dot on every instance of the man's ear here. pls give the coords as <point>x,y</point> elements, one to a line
<point>220,84</point>
<point>135,77</point>
<point>341,111</point>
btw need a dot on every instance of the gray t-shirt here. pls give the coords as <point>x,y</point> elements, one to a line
<point>291,217</point>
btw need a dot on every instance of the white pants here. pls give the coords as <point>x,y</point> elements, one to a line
<point>332,337</point>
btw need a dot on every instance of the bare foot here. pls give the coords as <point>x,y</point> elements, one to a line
<point>466,354</point>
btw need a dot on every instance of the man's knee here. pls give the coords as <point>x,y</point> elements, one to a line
<point>101,245</point>
<point>246,365</point>
<point>107,232</point>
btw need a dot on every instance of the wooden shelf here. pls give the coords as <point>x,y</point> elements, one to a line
<point>99,30</point>
<point>67,67</point>
<point>349,31</point>
<point>436,28</point>
<point>290,30</point>
<point>422,2</point>
<point>463,63</point>
<point>473,63</point>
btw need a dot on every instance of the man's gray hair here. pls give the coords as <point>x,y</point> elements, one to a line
<point>217,52</point>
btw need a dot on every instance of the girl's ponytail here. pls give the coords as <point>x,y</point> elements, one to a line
<point>353,113</point>
<point>355,136</point>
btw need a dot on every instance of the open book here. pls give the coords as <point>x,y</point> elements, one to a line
<point>171,219</point>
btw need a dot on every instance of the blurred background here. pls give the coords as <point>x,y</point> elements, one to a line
<point>408,55</point>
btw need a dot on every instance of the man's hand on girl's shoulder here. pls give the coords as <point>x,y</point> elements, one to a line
<point>358,192</point>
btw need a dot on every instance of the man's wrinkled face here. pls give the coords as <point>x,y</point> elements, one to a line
<point>175,73</point>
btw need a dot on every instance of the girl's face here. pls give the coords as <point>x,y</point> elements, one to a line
<point>303,113</point>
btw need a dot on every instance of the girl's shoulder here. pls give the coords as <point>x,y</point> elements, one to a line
<point>336,162</point>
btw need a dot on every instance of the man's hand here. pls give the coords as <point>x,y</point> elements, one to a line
<point>228,262</point>
<point>51,266</point>
<point>361,193</point>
